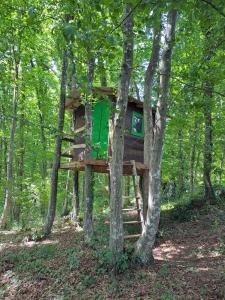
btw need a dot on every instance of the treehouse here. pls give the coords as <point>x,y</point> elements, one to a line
<point>103,110</point>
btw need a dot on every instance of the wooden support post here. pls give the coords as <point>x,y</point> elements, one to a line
<point>138,196</point>
<point>76,199</point>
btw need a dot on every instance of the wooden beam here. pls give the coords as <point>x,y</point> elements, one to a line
<point>102,166</point>
<point>138,196</point>
<point>78,146</point>
<point>66,155</point>
<point>68,138</point>
<point>132,236</point>
<point>78,130</point>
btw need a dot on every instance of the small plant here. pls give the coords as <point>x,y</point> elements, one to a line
<point>164,270</point>
<point>221,247</point>
<point>107,262</point>
<point>72,259</point>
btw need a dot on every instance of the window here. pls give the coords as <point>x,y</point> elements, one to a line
<point>137,124</point>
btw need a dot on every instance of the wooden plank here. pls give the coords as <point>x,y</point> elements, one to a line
<point>78,130</point>
<point>68,138</point>
<point>101,166</point>
<point>66,155</point>
<point>78,146</point>
<point>138,196</point>
<point>132,222</point>
<point>132,236</point>
<point>130,209</point>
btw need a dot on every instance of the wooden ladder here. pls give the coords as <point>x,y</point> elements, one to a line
<point>139,203</point>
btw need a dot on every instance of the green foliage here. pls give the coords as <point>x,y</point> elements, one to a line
<point>107,262</point>
<point>73,260</point>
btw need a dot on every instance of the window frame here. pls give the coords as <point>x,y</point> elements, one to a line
<point>133,132</point>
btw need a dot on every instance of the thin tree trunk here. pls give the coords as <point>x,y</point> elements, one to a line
<point>43,140</point>
<point>221,164</point>
<point>65,211</point>
<point>148,116</point>
<point>146,242</point>
<point>88,191</point>
<point>192,158</point>
<point>181,163</point>
<point>209,192</point>
<point>76,199</point>
<point>7,210</point>
<point>20,173</point>
<point>116,162</point>
<point>56,163</point>
<point>137,91</point>
<point>127,191</point>
<point>103,75</point>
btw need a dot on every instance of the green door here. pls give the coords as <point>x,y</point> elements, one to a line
<point>100,129</point>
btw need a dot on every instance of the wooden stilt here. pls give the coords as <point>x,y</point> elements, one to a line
<point>138,196</point>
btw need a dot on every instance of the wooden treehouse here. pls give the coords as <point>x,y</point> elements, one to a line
<point>103,110</point>
<point>102,116</point>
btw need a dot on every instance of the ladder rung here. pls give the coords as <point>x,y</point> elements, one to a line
<point>132,222</point>
<point>131,209</point>
<point>132,236</point>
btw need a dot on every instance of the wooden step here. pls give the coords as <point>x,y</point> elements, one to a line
<point>130,209</point>
<point>125,222</point>
<point>78,130</point>
<point>132,222</point>
<point>67,155</point>
<point>132,236</point>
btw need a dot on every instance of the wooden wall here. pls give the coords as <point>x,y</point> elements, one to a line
<point>133,145</point>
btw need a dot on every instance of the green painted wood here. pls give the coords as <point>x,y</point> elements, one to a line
<point>100,129</point>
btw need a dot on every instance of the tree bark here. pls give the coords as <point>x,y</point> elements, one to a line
<point>76,199</point>
<point>209,192</point>
<point>148,116</point>
<point>56,163</point>
<point>88,188</point>
<point>181,163</point>
<point>65,211</point>
<point>208,85</point>
<point>7,210</point>
<point>20,163</point>
<point>116,162</point>
<point>127,191</point>
<point>146,242</point>
<point>193,158</point>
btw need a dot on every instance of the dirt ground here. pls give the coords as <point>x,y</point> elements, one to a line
<point>189,264</point>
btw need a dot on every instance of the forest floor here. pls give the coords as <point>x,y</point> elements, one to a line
<point>189,264</point>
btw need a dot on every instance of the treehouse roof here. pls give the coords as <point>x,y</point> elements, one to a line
<point>75,100</point>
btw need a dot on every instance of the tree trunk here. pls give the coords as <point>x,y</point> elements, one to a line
<point>56,163</point>
<point>116,162</point>
<point>146,242</point>
<point>20,172</point>
<point>76,199</point>
<point>208,103</point>
<point>181,163</point>
<point>192,158</point>
<point>127,191</point>
<point>103,75</point>
<point>43,140</point>
<point>88,189</point>
<point>148,117</point>
<point>65,211</point>
<point>209,192</point>
<point>7,210</point>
